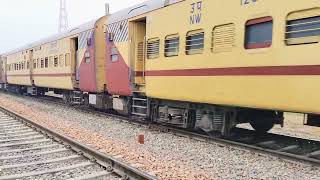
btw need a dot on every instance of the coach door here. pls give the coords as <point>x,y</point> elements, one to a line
<point>1,69</point>
<point>137,49</point>
<point>75,57</point>
<point>31,66</point>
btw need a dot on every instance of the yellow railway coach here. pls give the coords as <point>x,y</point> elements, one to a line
<point>55,62</point>
<point>213,64</point>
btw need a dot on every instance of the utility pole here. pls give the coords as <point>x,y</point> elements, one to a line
<point>63,17</point>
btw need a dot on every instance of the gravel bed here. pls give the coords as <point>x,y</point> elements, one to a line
<point>42,167</point>
<point>36,158</point>
<point>31,151</point>
<point>27,146</point>
<point>22,139</point>
<point>12,130</point>
<point>163,154</point>
<point>16,136</point>
<point>74,173</point>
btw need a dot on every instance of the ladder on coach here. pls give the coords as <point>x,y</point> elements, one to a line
<point>34,91</point>
<point>140,106</point>
<point>76,98</point>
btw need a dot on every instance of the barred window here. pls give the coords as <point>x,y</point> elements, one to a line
<point>34,64</point>
<point>223,38</point>
<point>61,60</point>
<point>42,63</point>
<point>171,46</point>
<point>50,61</point>
<point>259,33</point>
<point>303,31</point>
<point>56,61</point>
<point>195,42</point>
<point>46,62</point>
<point>67,59</point>
<point>153,48</point>
<point>87,56</point>
<point>114,54</point>
<point>38,63</point>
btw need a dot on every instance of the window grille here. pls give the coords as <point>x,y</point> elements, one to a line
<point>223,38</point>
<point>171,46</point>
<point>195,42</point>
<point>303,31</point>
<point>153,48</point>
<point>55,61</point>
<point>61,60</point>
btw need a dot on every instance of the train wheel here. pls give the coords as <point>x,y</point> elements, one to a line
<point>262,126</point>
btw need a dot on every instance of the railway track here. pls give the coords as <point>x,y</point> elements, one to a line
<point>289,148</point>
<point>285,147</point>
<point>30,151</point>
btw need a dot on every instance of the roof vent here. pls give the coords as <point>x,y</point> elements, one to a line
<point>107,9</point>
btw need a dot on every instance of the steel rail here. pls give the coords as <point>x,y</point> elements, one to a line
<point>111,164</point>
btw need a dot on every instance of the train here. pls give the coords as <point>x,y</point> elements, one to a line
<point>186,63</point>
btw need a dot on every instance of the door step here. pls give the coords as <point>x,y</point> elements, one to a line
<point>140,106</point>
<point>76,98</point>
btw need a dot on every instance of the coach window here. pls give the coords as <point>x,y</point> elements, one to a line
<point>87,56</point>
<point>42,63</point>
<point>50,61</point>
<point>67,59</point>
<point>114,54</point>
<point>61,60</point>
<point>34,64</point>
<point>46,62</point>
<point>56,61</point>
<point>223,38</point>
<point>153,48</point>
<point>303,27</point>
<point>195,42</point>
<point>38,63</point>
<point>171,47</point>
<point>259,33</point>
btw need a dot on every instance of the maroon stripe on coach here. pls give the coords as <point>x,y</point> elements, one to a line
<point>304,70</point>
<point>43,75</point>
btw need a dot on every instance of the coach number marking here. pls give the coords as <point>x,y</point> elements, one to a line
<point>247,2</point>
<point>196,9</point>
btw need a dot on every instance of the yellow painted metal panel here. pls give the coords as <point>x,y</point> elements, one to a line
<point>100,54</point>
<point>286,93</point>
<point>275,92</point>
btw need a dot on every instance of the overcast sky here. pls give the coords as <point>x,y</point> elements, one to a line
<point>25,21</point>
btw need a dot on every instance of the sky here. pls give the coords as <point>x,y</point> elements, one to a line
<point>26,21</point>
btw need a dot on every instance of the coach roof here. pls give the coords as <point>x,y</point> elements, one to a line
<point>139,9</point>
<point>70,32</point>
